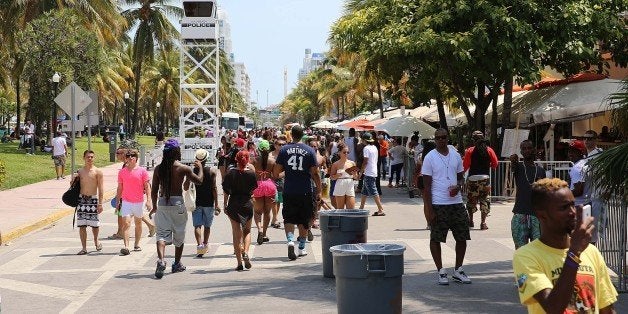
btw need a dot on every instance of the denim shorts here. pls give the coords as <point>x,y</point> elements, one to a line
<point>203,216</point>
<point>369,188</point>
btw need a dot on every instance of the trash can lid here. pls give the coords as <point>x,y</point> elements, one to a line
<point>367,249</point>
<point>345,212</point>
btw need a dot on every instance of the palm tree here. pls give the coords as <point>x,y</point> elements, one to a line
<point>101,16</point>
<point>162,82</point>
<point>153,30</point>
<point>609,168</point>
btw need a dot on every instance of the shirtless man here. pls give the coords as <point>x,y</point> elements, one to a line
<point>90,201</point>
<point>172,216</point>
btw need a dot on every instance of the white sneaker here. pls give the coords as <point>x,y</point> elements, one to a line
<point>302,252</point>
<point>442,277</point>
<point>291,254</point>
<point>460,276</point>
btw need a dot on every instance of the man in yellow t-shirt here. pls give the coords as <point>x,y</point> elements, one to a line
<point>561,272</point>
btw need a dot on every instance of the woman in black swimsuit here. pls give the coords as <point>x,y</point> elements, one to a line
<point>238,187</point>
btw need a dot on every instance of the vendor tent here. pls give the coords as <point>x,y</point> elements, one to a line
<point>324,125</point>
<point>405,126</point>
<point>563,103</point>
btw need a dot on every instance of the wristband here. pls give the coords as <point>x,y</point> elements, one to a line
<point>574,257</point>
<point>571,263</point>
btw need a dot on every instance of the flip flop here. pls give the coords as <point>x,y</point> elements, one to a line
<point>114,237</point>
<point>379,214</point>
<point>82,252</point>
<point>99,247</point>
<point>137,249</point>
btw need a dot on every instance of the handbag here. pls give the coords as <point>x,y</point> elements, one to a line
<point>189,197</point>
<point>71,196</point>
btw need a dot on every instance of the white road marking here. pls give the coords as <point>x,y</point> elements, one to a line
<point>88,293</point>
<point>43,290</point>
<point>29,260</point>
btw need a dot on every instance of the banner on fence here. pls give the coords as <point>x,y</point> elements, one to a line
<point>512,139</point>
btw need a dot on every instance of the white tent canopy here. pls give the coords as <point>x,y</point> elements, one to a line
<point>405,126</point>
<point>324,125</point>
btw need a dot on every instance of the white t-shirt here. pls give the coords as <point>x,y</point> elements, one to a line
<point>334,148</point>
<point>370,152</point>
<point>350,143</point>
<point>444,171</point>
<point>397,153</point>
<point>576,174</point>
<point>58,146</point>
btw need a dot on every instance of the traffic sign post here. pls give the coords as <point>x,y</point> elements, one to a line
<point>71,100</point>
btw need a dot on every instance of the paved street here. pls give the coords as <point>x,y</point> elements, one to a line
<point>40,272</point>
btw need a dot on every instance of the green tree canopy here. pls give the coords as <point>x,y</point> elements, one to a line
<point>58,42</point>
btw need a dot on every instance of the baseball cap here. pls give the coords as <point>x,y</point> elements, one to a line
<point>240,142</point>
<point>201,155</point>
<point>579,145</point>
<point>171,143</point>
<point>367,137</point>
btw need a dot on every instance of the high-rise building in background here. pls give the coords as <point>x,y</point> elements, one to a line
<point>242,82</point>
<point>311,62</point>
<point>224,34</point>
<point>241,78</point>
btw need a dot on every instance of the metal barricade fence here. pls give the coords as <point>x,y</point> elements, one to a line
<point>613,242</point>
<point>503,181</point>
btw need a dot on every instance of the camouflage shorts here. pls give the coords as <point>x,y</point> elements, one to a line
<point>450,217</point>
<point>479,192</point>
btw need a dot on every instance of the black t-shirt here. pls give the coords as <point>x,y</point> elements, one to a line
<point>230,158</point>
<point>205,190</point>
<point>524,177</point>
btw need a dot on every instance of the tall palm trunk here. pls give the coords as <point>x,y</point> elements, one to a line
<point>494,121</point>
<point>381,99</point>
<point>136,96</point>
<point>18,107</point>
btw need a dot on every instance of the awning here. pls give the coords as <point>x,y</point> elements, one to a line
<point>370,125</point>
<point>352,124</point>
<point>563,103</point>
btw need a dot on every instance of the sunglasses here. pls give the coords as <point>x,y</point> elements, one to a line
<point>131,155</point>
<point>119,153</point>
<point>442,137</point>
<point>280,144</point>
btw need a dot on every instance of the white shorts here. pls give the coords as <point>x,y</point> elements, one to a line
<point>344,187</point>
<point>132,209</point>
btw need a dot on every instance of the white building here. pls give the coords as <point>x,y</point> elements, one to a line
<point>311,62</point>
<point>241,77</point>
<point>224,33</point>
<point>242,82</point>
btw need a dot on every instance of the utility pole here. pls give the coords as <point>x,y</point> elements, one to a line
<point>285,82</point>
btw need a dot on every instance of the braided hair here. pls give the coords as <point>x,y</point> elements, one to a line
<point>165,169</point>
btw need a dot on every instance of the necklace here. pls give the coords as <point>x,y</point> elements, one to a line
<point>446,164</point>
<point>525,171</point>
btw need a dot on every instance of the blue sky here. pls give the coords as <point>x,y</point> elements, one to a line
<point>268,35</point>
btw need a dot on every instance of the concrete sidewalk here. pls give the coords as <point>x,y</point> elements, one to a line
<point>31,207</point>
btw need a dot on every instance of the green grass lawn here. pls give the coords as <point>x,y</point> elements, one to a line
<point>22,169</point>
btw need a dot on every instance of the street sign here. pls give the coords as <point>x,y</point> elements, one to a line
<point>81,99</point>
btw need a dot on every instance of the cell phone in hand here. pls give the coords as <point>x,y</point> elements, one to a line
<point>586,211</point>
<point>352,169</point>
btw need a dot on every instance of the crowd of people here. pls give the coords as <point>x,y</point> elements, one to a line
<point>556,264</point>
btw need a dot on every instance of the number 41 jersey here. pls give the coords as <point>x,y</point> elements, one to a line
<point>297,159</point>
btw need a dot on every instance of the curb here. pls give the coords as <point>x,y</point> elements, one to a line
<point>43,222</point>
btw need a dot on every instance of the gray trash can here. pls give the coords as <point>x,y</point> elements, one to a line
<point>341,226</point>
<point>368,277</point>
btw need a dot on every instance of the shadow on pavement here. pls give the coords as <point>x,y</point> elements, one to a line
<point>492,291</point>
